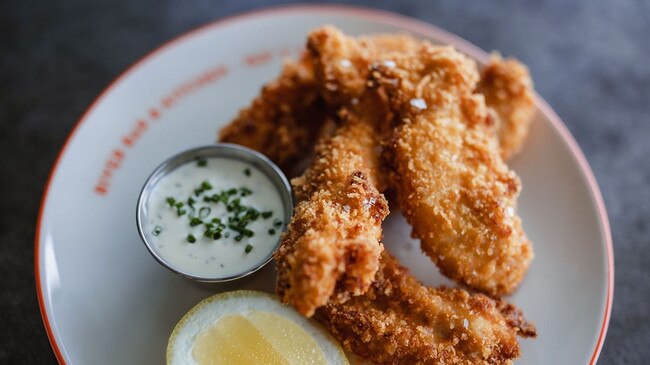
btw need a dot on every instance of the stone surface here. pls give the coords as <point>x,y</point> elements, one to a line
<point>589,60</point>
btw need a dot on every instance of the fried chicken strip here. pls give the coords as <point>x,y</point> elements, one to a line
<point>451,183</point>
<point>400,321</point>
<point>508,91</point>
<point>332,246</point>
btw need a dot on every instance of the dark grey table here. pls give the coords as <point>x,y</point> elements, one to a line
<point>590,60</point>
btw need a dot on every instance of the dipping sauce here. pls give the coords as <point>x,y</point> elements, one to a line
<point>214,217</point>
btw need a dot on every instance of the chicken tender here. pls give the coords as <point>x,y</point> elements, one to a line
<point>400,321</point>
<point>451,182</point>
<point>508,91</point>
<point>332,246</point>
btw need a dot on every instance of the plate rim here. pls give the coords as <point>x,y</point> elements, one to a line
<point>403,21</point>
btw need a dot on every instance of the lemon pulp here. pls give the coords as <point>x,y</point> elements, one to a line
<point>257,337</point>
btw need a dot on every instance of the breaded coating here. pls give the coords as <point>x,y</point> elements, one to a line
<point>400,321</point>
<point>331,247</point>
<point>344,61</point>
<point>508,91</point>
<point>451,182</point>
<point>284,120</point>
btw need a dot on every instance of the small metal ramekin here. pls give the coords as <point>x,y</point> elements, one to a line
<point>223,150</point>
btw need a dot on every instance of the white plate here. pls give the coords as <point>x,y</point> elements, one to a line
<point>105,300</point>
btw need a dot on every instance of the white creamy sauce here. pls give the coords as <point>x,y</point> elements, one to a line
<point>168,232</point>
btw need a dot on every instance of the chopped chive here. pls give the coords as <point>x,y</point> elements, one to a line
<point>267,214</point>
<point>214,198</point>
<point>201,162</point>
<point>247,172</point>
<point>244,191</point>
<point>216,220</point>
<point>181,212</point>
<point>239,237</point>
<point>191,238</point>
<point>277,223</point>
<point>204,212</point>
<point>195,222</point>
<point>248,248</point>
<point>204,186</point>
<point>157,230</point>
<point>241,230</point>
<point>271,231</point>
<point>232,191</point>
<point>252,214</point>
<point>171,201</point>
<point>227,234</point>
<point>191,202</point>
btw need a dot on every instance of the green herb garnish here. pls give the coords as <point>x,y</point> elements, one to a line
<point>157,230</point>
<point>171,201</point>
<point>179,208</point>
<point>201,162</point>
<point>251,214</point>
<point>241,230</point>
<point>204,186</point>
<point>247,172</point>
<point>239,216</point>
<point>204,212</point>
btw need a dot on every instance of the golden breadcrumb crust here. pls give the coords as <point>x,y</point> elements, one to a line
<point>508,91</point>
<point>452,185</point>
<point>400,321</point>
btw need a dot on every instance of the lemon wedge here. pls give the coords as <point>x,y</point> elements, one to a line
<point>249,327</point>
